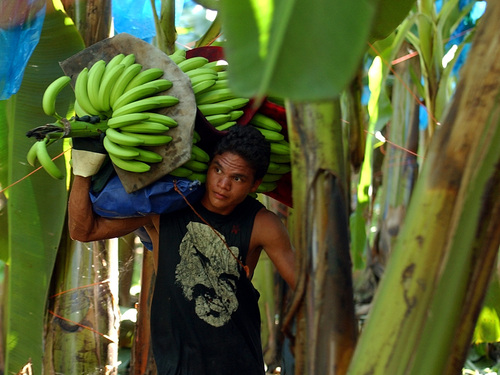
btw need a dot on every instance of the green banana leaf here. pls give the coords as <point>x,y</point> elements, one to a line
<point>388,16</point>
<point>302,50</point>
<point>3,181</point>
<point>37,204</point>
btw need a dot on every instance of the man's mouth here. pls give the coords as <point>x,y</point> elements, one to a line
<point>219,195</point>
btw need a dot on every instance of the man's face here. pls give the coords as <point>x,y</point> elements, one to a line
<point>229,180</point>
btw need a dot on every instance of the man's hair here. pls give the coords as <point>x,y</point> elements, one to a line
<point>248,143</point>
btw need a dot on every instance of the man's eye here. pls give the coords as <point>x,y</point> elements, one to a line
<point>237,179</point>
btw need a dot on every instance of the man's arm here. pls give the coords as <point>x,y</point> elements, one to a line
<point>272,235</point>
<point>86,226</point>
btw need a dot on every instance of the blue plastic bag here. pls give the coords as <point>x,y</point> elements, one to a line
<point>135,17</point>
<point>158,198</point>
<point>21,24</point>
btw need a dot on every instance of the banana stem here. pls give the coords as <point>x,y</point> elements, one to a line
<point>84,129</point>
<point>68,129</point>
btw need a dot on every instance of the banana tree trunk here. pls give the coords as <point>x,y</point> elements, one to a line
<point>431,294</point>
<point>142,361</point>
<point>91,17</point>
<point>400,168</point>
<point>82,329</point>
<point>326,324</point>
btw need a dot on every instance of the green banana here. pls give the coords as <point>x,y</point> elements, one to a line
<point>162,119</point>
<point>197,153</point>
<point>50,95</point>
<point>145,76</point>
<point>135,166</point>
<point>281,148</point>
<point>278,168</point>
<point>119,151</point>
<point>201,71</point>
<point>181,172</point>
<point>235,103</point>
<point>79,110</point>
<point>214,109</point>
<point>147,127</point>
<point>128,60</point>
<point>220,119</point>
<point>225,126</point>
<point>197,176</point>
<point>196,136</point>
<point>214,96</point>
<point>117,59</point>
<point>271,177</point>
<point>195,166</point>
<point>81,92</point>
<point>221,84</point>
<point>178,56</point>
<point>150,139</point>
<point>129,119</point>
<point>123,81</point>
<point>107,84</point>
<point>265,122</point>
<point>95,76</point>
<point>31,155</point>
<point>142,91</point>
<point>147,104</point>
<point>266,187</point>
<point>271,135</point>
<point>46,161</point>
<point>148,156</point>
<point>202,86</point>
<point>123,139</point>
<point>218,65</point>
<point>177,59</point>
<point>222,74</point>
<point>202,78</point>
<point>235,115</point>
<point>280,158</point>
<point>192,63</point>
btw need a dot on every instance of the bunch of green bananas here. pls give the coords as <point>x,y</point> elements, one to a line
<point>118,98</point>
<point>196,167</point>
<point>220,106</point>
<point>124,92</point>
<point>280,151</point>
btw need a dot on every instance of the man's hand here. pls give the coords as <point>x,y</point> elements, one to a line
<point>87,155</point>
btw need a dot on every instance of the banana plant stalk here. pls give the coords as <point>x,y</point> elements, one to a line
<point>91,17</point>
<point>166,34</point>
<point>429,299</point>
<point>142,361</point>
<point>68,129</point>
<point>323,302</point>
<point>212,33</point>
<point>400,167</point>
<point>82,328</point>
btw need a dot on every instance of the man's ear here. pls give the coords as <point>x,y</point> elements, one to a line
<point>255,185</point>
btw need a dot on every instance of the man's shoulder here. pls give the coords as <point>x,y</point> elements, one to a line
<point>250,204</point>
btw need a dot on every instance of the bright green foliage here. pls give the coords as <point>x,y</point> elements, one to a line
<point>36,205</point>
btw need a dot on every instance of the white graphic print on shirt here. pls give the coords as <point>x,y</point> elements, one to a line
<point>207,273</point>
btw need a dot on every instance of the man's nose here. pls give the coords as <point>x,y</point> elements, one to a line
<point>225,183</point>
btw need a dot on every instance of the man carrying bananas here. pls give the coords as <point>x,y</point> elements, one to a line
<point>204,316</point>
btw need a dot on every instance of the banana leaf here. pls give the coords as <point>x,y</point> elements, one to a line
<point>279,57</point>
<point>37,204</point>
<point>430,297</point>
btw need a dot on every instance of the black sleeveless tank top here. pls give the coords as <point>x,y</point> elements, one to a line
<point>204,315</point>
